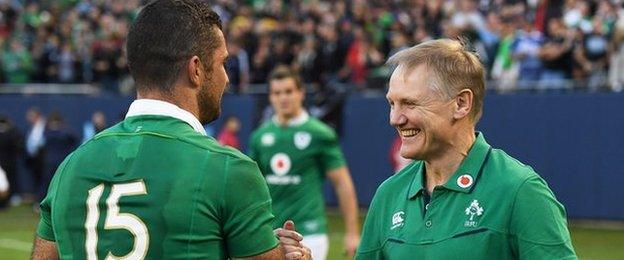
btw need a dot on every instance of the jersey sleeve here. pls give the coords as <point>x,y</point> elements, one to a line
<point>45,229</point>
<point>538,223</point>
<point>331,154</point>
<point>370,243</point>
<point>247,214</point>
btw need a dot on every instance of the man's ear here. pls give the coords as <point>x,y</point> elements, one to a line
<point>463,104</point>
<point>194,71</point>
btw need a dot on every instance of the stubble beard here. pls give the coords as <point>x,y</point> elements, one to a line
<point>209,103</point>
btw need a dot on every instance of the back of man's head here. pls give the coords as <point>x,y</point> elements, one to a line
<point>165,35</point>
<point>451,68</point>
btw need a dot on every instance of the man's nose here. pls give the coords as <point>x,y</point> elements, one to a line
<point>397,118</point>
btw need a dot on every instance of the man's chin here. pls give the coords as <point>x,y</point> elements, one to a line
<point>412,155</point>
<point>208,118</point>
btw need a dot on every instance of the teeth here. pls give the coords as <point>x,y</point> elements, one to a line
<point>409,133</point>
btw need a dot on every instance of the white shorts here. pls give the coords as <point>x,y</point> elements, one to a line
<point>318,244</point>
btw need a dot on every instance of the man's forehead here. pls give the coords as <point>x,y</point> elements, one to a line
<point>407,82</point>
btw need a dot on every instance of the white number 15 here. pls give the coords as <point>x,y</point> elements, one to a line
<point>116,220</point>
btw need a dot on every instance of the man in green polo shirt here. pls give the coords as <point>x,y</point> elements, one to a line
<point>461,198</point>
<point>295,153</point>
<point>155,186</point>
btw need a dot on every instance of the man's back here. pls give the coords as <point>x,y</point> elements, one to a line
<point>152,187</point>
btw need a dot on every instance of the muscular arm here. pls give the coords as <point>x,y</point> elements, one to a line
<point>343,186</point>
<point>44,250</point>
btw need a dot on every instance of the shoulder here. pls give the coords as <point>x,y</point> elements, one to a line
<point>320,129</point>
<point>263,128</point>
<point>508,170</point>
<point>210,145</point>
<point>402,180</point>
<point>191,140</point>
<point>506,175</point>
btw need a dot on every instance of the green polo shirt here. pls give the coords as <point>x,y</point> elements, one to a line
<point>493,207</point>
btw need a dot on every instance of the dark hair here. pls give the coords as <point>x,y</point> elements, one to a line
<point>283,72</point>
<point>56,117</point>
<point>165,35</point>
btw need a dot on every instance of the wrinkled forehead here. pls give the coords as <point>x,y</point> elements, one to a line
<point>406,81</point>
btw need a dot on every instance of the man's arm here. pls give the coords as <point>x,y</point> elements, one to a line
<point>279,253</point>
<point>538,223</point>
<point>44,250</point>
<point>343,186</point>
<point>289,247</point>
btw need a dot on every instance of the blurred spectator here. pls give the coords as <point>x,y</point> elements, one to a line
<point>17,64</point>
<point>10,152</point>
<point>237,66</point>
<point>362,57</point>
<point>307,61</point>
<point>616,77</point>
<point>505,70</point>
<point>229,133</point>
<point>35,141</point>
<point>93,127</point>
<point>4,188</point>
<point>59,142</point>
<point>556,55</point>
<point>525,51</point>
<point>591,55</point>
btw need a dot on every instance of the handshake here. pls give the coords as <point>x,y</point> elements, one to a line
<point>290,241</point>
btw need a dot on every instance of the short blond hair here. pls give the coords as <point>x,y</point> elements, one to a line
<point>453,68</point>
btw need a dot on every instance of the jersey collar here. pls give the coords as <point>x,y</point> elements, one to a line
<point>141,107</point>
<point>469,168</point>
<point>296,121</point>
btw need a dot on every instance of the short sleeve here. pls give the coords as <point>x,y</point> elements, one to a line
<point>538,223</point>
<point>248,216</point>
<point>370,243</point>
<point>331,154</point>
<point>45,228</point>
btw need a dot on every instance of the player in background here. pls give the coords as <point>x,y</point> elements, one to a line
<point>155,186</point>
<point>295,153</point>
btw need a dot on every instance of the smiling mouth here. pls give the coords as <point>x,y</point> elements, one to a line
<point>409,132</point>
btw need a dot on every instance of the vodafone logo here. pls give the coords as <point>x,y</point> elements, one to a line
<point>464,181</point>
<point>280,164</point>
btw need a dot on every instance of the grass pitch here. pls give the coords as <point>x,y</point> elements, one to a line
<point>17,227</point>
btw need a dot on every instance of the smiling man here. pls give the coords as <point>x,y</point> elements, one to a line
<point>460,198</point>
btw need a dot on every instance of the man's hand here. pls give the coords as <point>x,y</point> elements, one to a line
<point>351,242</point>
<point>290,240</point>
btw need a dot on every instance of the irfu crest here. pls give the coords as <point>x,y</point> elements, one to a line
<point>473,210</point>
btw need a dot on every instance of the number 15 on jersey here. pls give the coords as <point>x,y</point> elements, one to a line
<point>116,220</point>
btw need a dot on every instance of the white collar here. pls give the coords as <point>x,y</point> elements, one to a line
<point>295,121</point>
<point>142,107</point>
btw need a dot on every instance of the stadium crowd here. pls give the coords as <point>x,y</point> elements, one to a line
<point>535,44</point>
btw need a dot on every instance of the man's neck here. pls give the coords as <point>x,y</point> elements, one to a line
<point>181,102</point>
<point>440,168</point>
<point>285,119</point>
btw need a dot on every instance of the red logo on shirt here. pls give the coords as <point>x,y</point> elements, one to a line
<point>464,181</point>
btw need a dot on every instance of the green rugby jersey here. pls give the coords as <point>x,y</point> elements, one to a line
<point>493,207</point>
<point>294,160</point>
<point>152,187</point>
